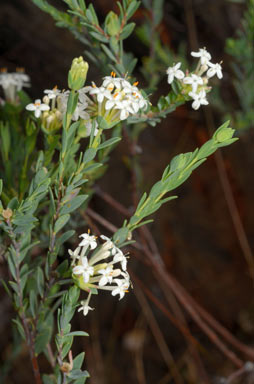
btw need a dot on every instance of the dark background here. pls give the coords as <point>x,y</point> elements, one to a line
<point>194,233</point>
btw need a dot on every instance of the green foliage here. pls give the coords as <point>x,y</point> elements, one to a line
<point>242,51</point>
<point>103,41</point>
<point>44,193</point>
<point>175,174</point>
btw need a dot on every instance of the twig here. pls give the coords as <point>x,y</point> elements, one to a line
<point>111,201</point>
<point>51,356</point>
<point>229,197</point>
<point>101,220</point>
<point>248,367</point>
<point>177,311</point>
<point>183,299</point>
<point>166,354</point>
<point>247,351</point>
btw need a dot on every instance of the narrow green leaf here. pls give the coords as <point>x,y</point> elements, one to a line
<point>127,31</point>
<point>108,53</point>
<point>78,361</point>
<point>60,223</point>
<point>99,36</point>
<point>89,155</point>
<point>65,236</point>
<point>20,328</point>
<point>77,374</point>
<point>109,142</point>
<point>6,288</point>
<point>92,167</point>
<point>40,281</point>
<point>132,8</point>
<point>77,333</point>
<point>33,303</point>
<point>73,204</point>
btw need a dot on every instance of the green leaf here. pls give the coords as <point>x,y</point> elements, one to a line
<point>66,346</point>
<point>12,266</point>
<point>108,53</point>
<point>92,167</point>
<point>157,11</point>
<point>77,374</point>
<point>109,142</point>
<point>44,329</point>
<point>89,155</point>
<point>121,235</point>
<point>73,204</point>
<point>1,186</point>
<point>78,361</point>
<point>132,8</point>
<point>127,31</point>
<point>60,223</point>
<point>99,36</point>
<point>33,303</point>
<point>20,328</point>
<point>77,333</point>
<point>47,379</point>
<point>40,281</point>
<point>65,236</point>
<point>6,288</point>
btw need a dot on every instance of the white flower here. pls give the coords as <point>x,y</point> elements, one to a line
<point>85,307</point>
<point>83,269</point>
<point>74,255</point>
<point>109,244</point>
<point>52,93</point>
<point>215,69</point>
<point>199,99</point>
<point>205,56</point>
<point>107,276</point>
<point>125,107</point>
<point>89,125</point>
<point>173,72</point>
<point>122,288</point>
<point>80,112</point>
<point>88,240</point>
<point>120,258</point>
<point>112,82</point>
<point>194,80</point>
<point>7,79</point>
<point>110,103</point>
<point>22,80</point>
<point>12,83</point>
<point>101,93</point>
<point>37,107</point>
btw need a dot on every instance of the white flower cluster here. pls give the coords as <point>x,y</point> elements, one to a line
<point>115,100</point>
<point>105,268</point>
<point>54,106</point>
<point>118,98</point>
<point>197,80</point>
<point>13,83</point>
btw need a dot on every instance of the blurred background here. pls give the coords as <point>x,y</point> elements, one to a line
<point>205,237</point>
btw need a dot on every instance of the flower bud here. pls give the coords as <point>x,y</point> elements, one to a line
<point>7,213</point>
<point>112,24</point>
<point>77,73</point>
<point>224,134</point>
<point>46,100</point>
